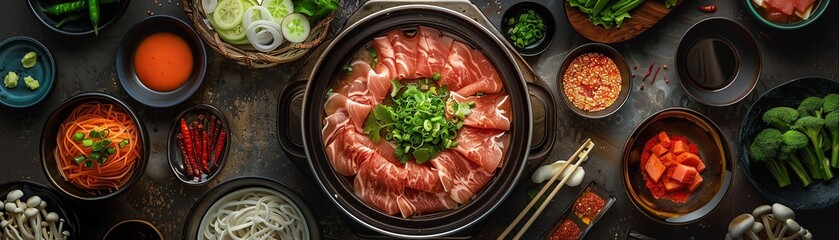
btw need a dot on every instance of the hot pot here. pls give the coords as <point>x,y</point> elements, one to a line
<point>309,149</point>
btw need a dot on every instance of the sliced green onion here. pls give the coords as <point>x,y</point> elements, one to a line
<point>78,136</point>
<point>112,150</point>
<point>79,159</point>
<point>95,155</point>
<point>87,142</point>
<point>123,143</point>
<point>88,164</point>
<point>436,76</point>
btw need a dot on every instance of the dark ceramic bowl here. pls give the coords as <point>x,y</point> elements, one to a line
<point>819,194</point>
<point>110,13</point>
<point>542,43</point>
<point>12,51</point>
<point>125,61</point>
<point>626,79</point>
<point>713,149</point>
<point>201,208</point>
<point>717,46</point>
<point>176,160</point>
<point>818,9</point>
<point>48,145</point>
<point>133,230</point>
<point>55,203</point>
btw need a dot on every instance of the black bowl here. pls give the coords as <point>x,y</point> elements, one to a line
<point>543,43</point>
<point>48,144</point>
<point>713,149</point>
<point>193,220</point>
<point>819,194</point>
<point>176,161</point>
<point>125,61</point>
<point>133,230</point>
<point>55,203</point>
<point>110,13</point>
<point>710,41</point>
<point>626,79</point>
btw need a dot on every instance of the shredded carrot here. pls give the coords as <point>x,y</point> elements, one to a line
<point>118,168</point>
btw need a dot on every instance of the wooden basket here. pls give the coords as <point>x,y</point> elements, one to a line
<point>247,55</point>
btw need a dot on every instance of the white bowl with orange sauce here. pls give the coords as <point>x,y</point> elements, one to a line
<point>161,61</point>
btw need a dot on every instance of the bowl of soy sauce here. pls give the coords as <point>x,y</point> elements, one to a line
<point>718,62</point>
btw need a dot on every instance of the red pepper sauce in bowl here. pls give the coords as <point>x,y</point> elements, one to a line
<point>163,61</point>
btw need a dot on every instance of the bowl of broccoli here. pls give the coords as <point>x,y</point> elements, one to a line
<point>789,143</point>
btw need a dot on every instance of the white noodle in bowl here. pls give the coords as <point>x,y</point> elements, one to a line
<point>253,213</point>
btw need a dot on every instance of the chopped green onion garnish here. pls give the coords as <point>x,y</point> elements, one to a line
<point>87,142</point>
<point>436,76</point>
<point>123,143</point>
<point>88,164</point>
<point>80,158</point>
<point>95,155</point>
<point>112,150</point>
<point>78,136</point>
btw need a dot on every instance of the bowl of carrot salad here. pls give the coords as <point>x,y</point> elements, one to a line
<point>93,146</point>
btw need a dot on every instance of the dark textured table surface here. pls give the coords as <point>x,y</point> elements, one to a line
<point>248,98</point>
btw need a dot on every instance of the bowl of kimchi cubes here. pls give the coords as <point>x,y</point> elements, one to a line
<point>677,166</point>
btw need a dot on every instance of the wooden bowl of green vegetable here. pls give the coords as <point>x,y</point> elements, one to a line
<point>76,17</point>
<point>806,184</point>
<point>529,27</point>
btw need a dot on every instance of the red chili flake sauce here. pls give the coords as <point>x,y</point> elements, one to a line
<point>567,230</point>
<point>588,206</point>
<point>592,82</point>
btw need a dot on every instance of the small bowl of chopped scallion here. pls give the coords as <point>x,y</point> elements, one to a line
<point>529,27</point>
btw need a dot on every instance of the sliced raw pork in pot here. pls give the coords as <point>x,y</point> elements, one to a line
<point>433,51</point>
<point>415,202</point>
<point>460,177</point>
<point>357,111</point>
<point>379,183</point>
<point>468,72</point>
<point>405,53</point>
<point>482,146</point>
<point>490,111</point>
<point>422,177</point>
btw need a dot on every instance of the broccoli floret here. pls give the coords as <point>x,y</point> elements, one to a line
<point>765,149</point>
<point>831,121</point>
<point>812,127</point>
<point>793,142</point>
<point>780,117</point>
<point>811,106</point>
<point>830,103</point>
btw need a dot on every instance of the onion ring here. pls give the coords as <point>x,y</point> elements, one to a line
<point>271,27</point>
<point>264,14</point>
<point>209,5</point>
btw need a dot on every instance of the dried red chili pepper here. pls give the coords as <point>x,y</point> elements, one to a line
<point>219,146</point>
<point>650,70</point>
<point>708,9</point>
<point>655,75</point>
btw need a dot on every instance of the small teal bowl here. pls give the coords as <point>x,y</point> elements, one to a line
<point>820,7</point>
<point>11,52</point>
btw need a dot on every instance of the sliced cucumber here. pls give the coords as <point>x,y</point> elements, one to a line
<point>228,14</point>
<point>296,28</point>
<point>237,35</point>
<point>279,9</point>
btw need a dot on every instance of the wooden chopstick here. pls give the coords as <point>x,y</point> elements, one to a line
<point>582,155</point>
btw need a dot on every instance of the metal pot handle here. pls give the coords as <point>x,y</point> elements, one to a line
<point>543,104</point>
<point>288,119</point>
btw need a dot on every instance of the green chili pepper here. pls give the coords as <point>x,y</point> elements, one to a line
<point>68,7</point>
<point>93,7</point>
<point>68,19</point>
